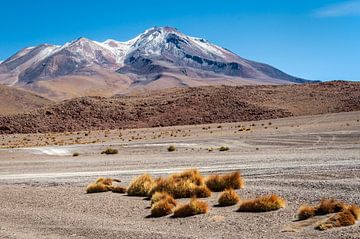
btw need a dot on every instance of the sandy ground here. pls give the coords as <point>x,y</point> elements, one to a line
<point>302,159</point>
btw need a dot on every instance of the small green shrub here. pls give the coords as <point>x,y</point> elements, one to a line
<point>224,148</point>
<point>110,151</point>
<point>171,148</point>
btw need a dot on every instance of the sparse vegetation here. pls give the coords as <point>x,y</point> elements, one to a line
<point>141,186</point>
<point>228,198</point>
<point>76,154</point>
<point>162,208</point>
<point>110,151</point>
<point>347,217</point>
<point>306,211</point>
<point>192,208</point>
<point>224,148</point>
<point>218,183</point>
<point>262,204</point>
<point>97,188</point>
<point>189,183</point>
<point>171,148</point>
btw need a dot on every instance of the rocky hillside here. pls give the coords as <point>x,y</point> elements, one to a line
<point>188,106</point>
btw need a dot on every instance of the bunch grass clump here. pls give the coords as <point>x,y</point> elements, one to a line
<point>228,198</point>
<point>161,208</point>
<point>262,204</point>
<point>141,186</point>
<point>326,206</point>
<point>110,151</point>
<point>187,184</point>
<point>104,185</point>
<point>192,208</point>
<point>162,196</point>
<point>97,188</point>
<point>218,183</point>
<point>344,218</point>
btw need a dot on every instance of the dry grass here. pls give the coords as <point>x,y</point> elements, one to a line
<point>162,196</point>
<point>187,184</point>
<point>97,188</point>
<point>161,208</point>
<point>107,181</point>
<point>192,174</point>
<point>192,208</point>
<point>218,183</point>
<point>326,206</point>
<point>201,191</point>
<point>346,217</point>
<point>262,204</point>
<point>306,211</point>
<point>118,189</point>
<point>340,219</point>
<point>228,198</point>
<point>141,186</point>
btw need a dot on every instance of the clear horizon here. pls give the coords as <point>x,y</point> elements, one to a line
<point>315,40</point>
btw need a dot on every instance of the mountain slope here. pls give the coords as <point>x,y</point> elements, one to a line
<point>161,57</point>
<point>14,101</point>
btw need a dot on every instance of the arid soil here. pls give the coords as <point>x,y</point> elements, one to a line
<point>303,159</point>
<point>15,101</point>
<point>187,107</point>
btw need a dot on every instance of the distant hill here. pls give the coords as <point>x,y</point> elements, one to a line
<point>188,106</point>
<point>13,101</point>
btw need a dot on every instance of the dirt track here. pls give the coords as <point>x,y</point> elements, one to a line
<point>302,159</point>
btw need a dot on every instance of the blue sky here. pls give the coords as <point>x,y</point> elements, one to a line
<point>313,39</point>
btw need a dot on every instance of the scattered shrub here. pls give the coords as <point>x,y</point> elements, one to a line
<point>224,148</point>
<point>76,154</point>
<point>97,188</point>
<point>218,183</point>
<point>107,181</point>
<point>162,196</point>
<point>340,219</point>
<point>306,211</point>
<point>228,198</point>
<point>161,208</point>
<point>192,208</point>
<point>141,186</point>
<point>110,151</point>
<point>192,174</point>
<point>327,206</point>
<point>262,204</point>
<point>171,148</point>
<point>118,189</point>
<point>201,192</point>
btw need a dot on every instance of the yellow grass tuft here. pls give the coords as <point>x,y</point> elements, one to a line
<point>327,206</point>
<point>189,183</point>
<point>107,181</point>
<point>228,198</point>
<point>355,210</point>
<point>192,208</point>
<point>97,188</point>
<point>141,186</point>
<point>192,175</point>
<point>306,211</point>
<point>118,189</point>
<point>201,192</point>
<point>262,204</point>
<point>218,183</point>
<point>162,196</point>
<point>340,219</point>
<point>162,208</point>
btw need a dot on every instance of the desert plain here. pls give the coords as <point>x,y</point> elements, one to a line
<point>302,159</point>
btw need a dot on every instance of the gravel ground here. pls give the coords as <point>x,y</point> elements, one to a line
<point>42,194</point>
